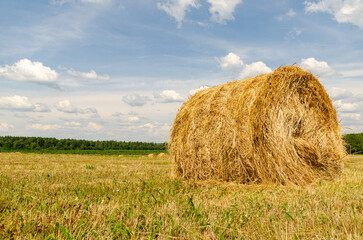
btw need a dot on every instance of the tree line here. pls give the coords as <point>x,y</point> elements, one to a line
<point>354,143</point>
<point>9,143</point>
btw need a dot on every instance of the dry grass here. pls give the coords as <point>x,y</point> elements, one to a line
<point>111,197</point>
<point>279,127</point>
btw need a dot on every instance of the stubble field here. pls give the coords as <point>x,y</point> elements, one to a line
<point>45,196</point>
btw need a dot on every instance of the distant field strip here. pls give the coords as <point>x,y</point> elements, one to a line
<point>55,196</point>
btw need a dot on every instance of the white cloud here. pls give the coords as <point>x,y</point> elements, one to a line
<point>5,126</point>
<point>135,100</point>
<point>165,128</point>
<point>230,61</point>
<point>154,129</point>
<point>40,107</point>
<point>178,8</point>
<point>72,124</point>
<point>289,14</point>
<point>339,93</point>
<point>67,107</point>
<point>345,107</point>
<point>21,104</point>
<point>94,126</point>
<point>344,11</point>
<point>88,75</point>
<point>27,71</point>
<point>254,69</point>
<point>319,68</point>
<point>350,116</point>
<point>147,125</point>
<point>44,127</point>
<point>169,96</point>
<point>233,62</point>
<point>16,103</point>
<point>134,119</point>
<point>194,91</point>
<point>222,10</point>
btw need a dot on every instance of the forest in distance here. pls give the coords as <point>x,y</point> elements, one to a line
<point>354,145</point>
<point>74,146</point>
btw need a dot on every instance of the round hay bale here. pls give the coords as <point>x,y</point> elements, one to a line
<point>278,127</point>
<point>160,155</point>
<point>151,155</point>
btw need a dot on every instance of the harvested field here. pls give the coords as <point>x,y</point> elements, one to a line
<point>46,196</point>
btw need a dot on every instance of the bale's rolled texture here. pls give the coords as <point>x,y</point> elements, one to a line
<point>279,127</point>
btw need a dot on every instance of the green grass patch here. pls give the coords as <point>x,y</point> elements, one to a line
<point>99,152</point>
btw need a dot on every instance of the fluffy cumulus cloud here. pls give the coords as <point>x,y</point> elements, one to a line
<point>344,11</point>
<point>27,71</point>
<point>178,8</point>
<point>168,96</point>
<point>21,104</point>
<point>67,107</point>
<point>194,91</point>
<point>88,75</point>
<point>319,68</point>
<point>5,126</point>
<point>136,100</point>
<point>222,10</point>
<point>254,69</point>
<point>230,61</point>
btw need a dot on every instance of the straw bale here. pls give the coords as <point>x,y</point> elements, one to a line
<point>278,127</point>
<point>160,155</point>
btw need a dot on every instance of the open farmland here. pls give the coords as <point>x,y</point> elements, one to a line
<point>45,196</point>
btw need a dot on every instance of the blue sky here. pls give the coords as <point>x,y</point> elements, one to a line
<point>120,69</point>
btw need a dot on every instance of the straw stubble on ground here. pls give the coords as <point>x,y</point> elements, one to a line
<point>108,197</point>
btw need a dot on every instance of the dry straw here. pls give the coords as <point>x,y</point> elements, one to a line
<point>278,127</point>
<point>162,155</point>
